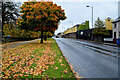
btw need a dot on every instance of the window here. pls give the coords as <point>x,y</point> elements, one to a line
<point>114,35</point>
<point>81,33</point>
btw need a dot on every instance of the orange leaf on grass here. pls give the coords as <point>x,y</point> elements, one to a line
<point>56,67</point>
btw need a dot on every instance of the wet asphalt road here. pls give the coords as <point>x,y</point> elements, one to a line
<point>90,60</point>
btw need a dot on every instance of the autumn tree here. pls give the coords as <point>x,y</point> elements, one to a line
<point>40,16</point>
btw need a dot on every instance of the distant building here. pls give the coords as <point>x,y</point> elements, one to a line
<point>109,27</point>
<point>62,35</point>
<point>59,35</point>
<point>71,32</point>
<point>108,24</point>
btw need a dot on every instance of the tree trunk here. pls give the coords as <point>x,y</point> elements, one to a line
<point>5,39</point>
<point>42,36</point>
<point>45,37</point>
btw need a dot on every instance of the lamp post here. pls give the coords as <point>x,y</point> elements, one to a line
<point>72,24</point>
<point>63,31</point>
<point>92,20</point>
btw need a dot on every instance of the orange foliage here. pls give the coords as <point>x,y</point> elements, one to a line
<point>44,12</point>
<point>25,2</point>
<point>21,15</point>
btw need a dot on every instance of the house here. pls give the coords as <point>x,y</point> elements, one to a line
<point>108,24</point>
<point>116,27</point>
<point>109,27</point>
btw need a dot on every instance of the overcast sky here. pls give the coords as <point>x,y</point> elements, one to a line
<point>77,12</point>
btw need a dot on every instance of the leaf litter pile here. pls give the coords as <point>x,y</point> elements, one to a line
<point>35,60</point>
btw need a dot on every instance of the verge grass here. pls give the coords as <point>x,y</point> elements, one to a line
<point>35,60</point>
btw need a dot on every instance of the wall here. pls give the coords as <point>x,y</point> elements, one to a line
<point>118,32</point>
<point>86,34</point>
<point>73,35</point>
<point>118,16</point>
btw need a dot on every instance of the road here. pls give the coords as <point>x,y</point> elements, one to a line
<point>90,60</point>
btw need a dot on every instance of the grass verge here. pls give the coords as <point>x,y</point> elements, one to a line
<point>35,60</point>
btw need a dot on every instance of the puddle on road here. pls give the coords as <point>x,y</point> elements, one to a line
<point>103,53</point>
<point>100,49</point>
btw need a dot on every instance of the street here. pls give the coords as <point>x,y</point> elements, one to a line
<point>90,60</point>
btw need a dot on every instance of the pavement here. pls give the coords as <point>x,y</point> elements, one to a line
<point>89,59</point>
<point>105,43</point>
<point>15,44</point>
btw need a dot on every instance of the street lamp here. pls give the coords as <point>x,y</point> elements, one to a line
<point>72,24</point>
<point>63,31</point>
<point>92,20</point>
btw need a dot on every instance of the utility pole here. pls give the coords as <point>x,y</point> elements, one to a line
<point>72,25</point>
<point>92,20</point>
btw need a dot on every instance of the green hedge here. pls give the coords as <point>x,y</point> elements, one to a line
<point>84,26</point>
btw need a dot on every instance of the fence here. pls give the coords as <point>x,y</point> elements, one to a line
<point>71,35</point>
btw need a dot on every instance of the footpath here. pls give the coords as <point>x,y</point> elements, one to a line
<point>15,44</point>
<point>105,43</point>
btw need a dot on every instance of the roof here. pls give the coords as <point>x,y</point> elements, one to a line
<point>116,20</point>
<point>59,33</point>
